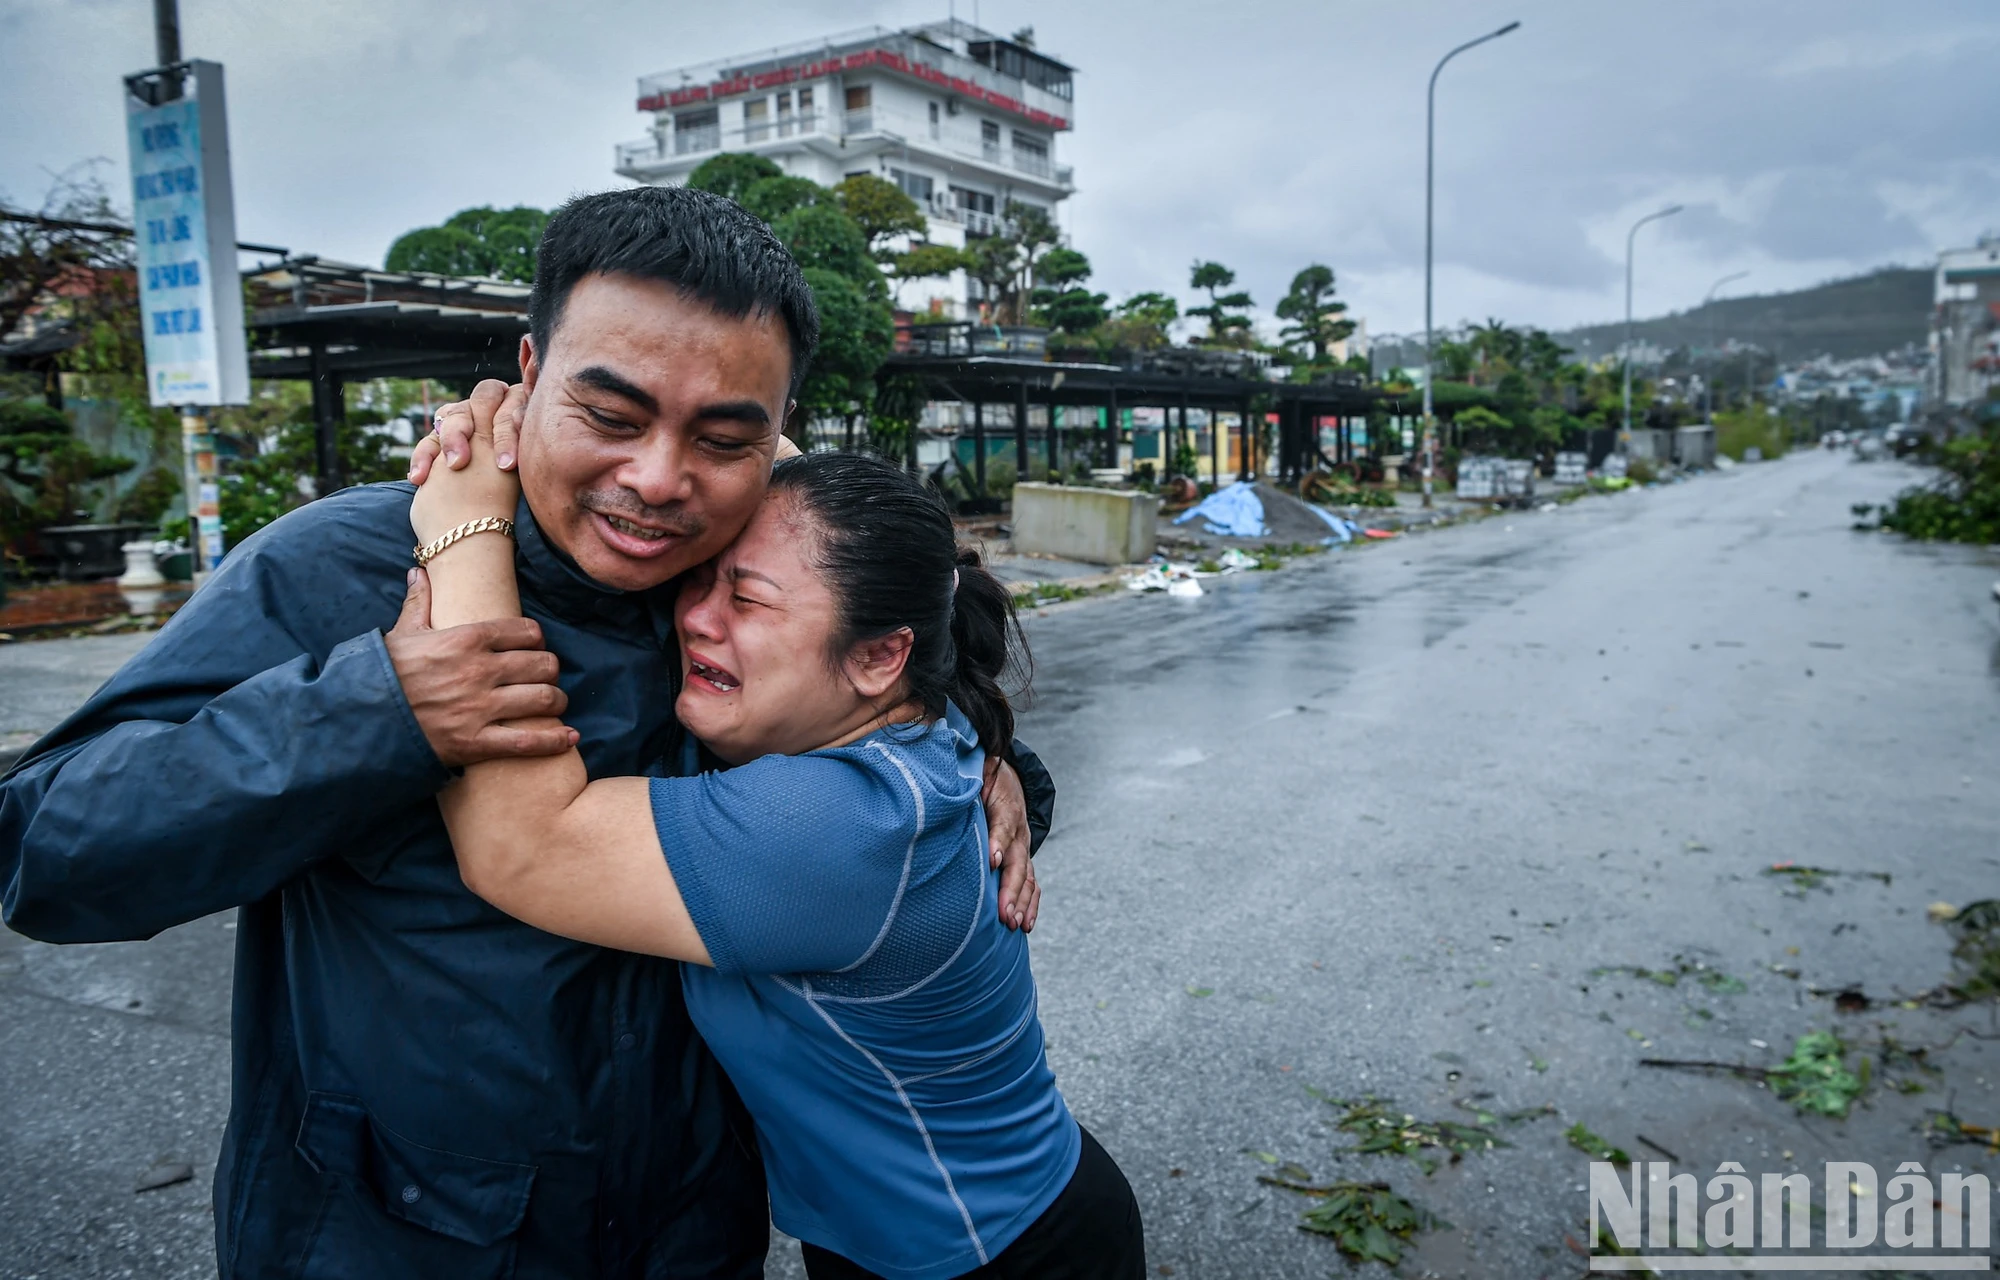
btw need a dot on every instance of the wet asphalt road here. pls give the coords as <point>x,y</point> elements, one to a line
<point>1364,825</point>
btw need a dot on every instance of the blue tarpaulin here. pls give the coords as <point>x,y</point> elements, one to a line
<point>1343,528</point>
<point>1234,512</point>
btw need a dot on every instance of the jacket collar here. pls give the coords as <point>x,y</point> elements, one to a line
<point>562,590</point>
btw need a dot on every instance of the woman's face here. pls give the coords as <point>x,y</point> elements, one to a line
<point>755,624</point>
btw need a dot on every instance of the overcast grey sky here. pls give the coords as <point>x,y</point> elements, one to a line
<point>1807,139</point>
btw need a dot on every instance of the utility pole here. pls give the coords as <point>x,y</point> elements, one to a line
<point>1625,438</point>
<point>1708,383</point>
<point>1429,445</point>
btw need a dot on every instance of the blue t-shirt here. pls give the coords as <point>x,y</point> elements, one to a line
<point>878,1019</point>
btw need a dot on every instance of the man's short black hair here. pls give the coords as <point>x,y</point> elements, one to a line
<point>705,245</point>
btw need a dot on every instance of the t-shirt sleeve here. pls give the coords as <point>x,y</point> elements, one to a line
<point>789,864</point>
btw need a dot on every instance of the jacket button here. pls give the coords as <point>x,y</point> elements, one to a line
<point>627,1040</point>
<point>411,1195</point>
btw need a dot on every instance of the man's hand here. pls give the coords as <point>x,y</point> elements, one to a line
<point>1007,831</point>
<point>464,682</point>
<point>494,407</point>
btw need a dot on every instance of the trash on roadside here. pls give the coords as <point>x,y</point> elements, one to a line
<point>1234,511</point>
<point>1236,559</point>
<point>1378,533</point>
<point>1940,912</point>
<point>1173,579</point>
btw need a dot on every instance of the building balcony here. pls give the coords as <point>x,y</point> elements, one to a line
<point>647,156</point>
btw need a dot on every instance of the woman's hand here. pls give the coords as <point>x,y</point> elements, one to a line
<point>448,496</point>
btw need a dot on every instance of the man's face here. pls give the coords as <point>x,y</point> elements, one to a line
<point>650,428</point>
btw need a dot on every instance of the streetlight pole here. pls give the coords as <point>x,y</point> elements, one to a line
<point>1625,439</point>
<point>1708,384</point>
<point>1430,154</point>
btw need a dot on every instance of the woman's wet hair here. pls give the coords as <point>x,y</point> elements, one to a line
<point>884,542</point>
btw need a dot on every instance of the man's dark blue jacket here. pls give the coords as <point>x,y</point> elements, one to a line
<point>423,1087</point>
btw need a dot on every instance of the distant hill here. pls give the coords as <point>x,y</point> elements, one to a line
<point>1881,311</point>
<point>1863,316</point>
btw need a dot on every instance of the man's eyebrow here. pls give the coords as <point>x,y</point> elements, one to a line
<point>736,411</point>
<point>603,379</point>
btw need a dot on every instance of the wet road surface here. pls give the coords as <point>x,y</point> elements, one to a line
<point>1367,825</point>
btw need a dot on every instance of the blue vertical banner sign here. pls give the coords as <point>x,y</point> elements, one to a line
<point>184,222</point>
<point>190,296</point>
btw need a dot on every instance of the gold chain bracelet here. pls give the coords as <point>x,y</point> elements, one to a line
<point>485,524</point>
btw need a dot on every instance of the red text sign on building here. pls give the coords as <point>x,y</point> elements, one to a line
<point>851,62</point>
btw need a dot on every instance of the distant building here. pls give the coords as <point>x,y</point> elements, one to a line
<point>961,119</point>
<point>1965,324</point>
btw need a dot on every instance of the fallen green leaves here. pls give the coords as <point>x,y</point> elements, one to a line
<point>1975,952</point>
<point>1804,879</point>
<point>1593,1146</point>
<point>1380,1129</point>
<point>1367,1221</point>
<point>1943,1129</point>
<point>1815,1078</point>
<point>1692,970</point>
<point>1055,593</point>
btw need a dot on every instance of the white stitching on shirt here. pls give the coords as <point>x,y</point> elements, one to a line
<point>965,1215</point>
<point>1020,1029</point>
<point>971,928</point>
<point>909,857</point>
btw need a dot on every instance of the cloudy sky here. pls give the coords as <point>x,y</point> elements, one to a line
<point>1807,139</point>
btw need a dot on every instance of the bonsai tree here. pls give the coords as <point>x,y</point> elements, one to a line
<point>44,468</point>
<point>1060,298</point>
<point>881,209</point>
<point>1227,325</point>
<point>1317,319</point>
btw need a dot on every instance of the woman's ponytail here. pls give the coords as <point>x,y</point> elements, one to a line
<point>987,639</point>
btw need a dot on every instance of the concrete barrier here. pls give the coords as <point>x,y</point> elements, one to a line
<point>1098,526</point>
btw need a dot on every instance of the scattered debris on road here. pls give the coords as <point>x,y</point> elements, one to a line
<point>1595,1147</point>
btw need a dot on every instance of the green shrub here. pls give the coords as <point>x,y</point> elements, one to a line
<point>1963,503</point>
<point>1749,428</point>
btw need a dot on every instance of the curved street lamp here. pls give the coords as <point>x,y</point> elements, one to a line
<point>1708,384</point>
<point>1625,439</point>
<point>1430,149</point>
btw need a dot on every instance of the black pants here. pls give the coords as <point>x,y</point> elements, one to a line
<point>1091,1232</point>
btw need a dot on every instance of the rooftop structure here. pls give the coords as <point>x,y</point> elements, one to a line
<point>962,119</point>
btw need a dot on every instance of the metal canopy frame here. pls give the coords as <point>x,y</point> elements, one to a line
<point>983,380</point>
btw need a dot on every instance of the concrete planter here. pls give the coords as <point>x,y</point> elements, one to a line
<point>87,552</point>
<point>1097,526</point>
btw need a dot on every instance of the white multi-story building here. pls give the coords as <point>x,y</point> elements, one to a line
<point>1965,324</point>
<point>963,120</point>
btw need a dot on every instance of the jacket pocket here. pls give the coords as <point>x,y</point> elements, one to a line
<point>397,1183</point>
